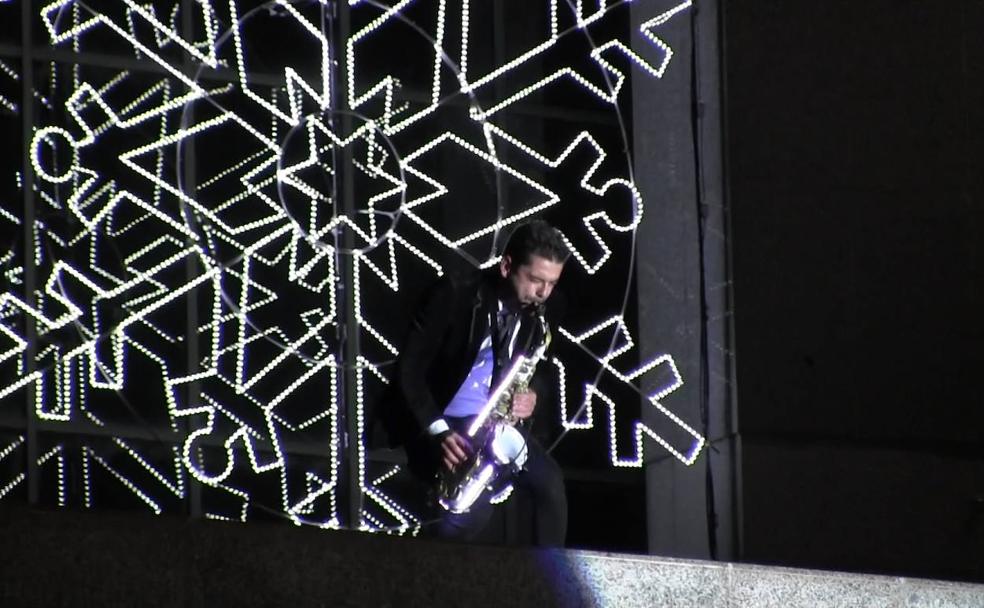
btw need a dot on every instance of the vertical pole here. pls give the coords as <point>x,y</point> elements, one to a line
<point>511,511</point>
<point>499,55</point>
<point>190,181</point>
<point>30,268</point>
<point>343,198</point>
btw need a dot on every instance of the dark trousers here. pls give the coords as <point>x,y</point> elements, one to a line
<point>543,479</point>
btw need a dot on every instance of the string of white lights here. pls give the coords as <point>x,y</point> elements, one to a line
<point>640,429</point>
<point>609,96</point>
<point>58,453</point>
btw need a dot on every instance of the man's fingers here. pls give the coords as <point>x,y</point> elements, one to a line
<point>523,404</point>
<point>461,447</point>
<point>465,445</point>
<point>451,455</point>
<point>456,454</point>
<point>455,448</point>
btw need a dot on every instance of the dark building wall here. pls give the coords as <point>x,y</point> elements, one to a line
<point>853,146</point>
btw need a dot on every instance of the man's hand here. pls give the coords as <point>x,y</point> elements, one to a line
<point>523,404</point>
<point>454,450</point>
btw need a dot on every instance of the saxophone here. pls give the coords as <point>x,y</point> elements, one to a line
<point>497,446</point>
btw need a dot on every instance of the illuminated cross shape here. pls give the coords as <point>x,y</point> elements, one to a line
<point>671,432</point>
<point>316,174</point>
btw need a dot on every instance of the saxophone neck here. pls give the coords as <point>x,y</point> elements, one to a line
<point>541,316</point>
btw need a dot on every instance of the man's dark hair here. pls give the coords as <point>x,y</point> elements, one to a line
<point>536,238</point>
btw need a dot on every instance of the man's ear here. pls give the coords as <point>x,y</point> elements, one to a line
<point>505,265</point>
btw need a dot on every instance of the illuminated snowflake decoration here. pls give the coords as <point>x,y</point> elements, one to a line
<point>281,178</point>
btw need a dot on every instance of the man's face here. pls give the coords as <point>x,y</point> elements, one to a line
<point>533,282</point>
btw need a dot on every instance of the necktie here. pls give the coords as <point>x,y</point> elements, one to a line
<point>505,324</point>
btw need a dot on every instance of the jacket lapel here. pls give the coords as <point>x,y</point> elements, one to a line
<point>483,305</point>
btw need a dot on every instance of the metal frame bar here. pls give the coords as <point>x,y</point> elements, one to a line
<point>344,199</point>
<point>30,269</point>
<point>190,179</point>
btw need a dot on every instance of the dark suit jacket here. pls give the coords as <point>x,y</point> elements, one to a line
<point>445,335</point>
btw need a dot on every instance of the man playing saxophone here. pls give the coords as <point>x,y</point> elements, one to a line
<point>462,346</point>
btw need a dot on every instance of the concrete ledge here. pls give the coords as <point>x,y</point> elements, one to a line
<point>62,558</point>
<point>618,580</point>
